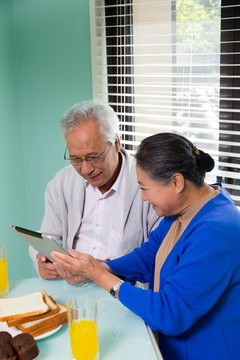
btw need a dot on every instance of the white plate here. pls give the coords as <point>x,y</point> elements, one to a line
<point>14,331</point>
<point>49,333</point>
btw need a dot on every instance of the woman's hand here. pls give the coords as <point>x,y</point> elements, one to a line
<point>81,266</point>
<point>77,267</point>
<point>70,278</point>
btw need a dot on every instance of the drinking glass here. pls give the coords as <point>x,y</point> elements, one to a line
<point>83,327</point>
<point>4,289</point>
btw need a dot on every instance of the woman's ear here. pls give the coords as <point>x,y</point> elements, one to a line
<point>178,182</point>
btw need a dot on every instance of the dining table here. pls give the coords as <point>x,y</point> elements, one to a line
<point>122,334</point>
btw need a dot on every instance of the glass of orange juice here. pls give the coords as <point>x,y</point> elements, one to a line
<point>3,271</point>
<point>83,327</point>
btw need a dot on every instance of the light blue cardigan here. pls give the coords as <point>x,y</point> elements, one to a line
<point>197,309</point>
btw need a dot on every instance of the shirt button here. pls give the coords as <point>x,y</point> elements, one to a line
<point>94,248</point>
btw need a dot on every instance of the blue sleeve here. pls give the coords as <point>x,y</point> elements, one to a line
<point>200,275</point>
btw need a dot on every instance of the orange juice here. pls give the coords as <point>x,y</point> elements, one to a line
<point>84,339</point>
<point>3,277</point>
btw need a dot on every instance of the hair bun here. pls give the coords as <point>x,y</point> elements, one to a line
<point>205,161</point>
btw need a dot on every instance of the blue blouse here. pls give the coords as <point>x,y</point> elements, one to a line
<point>197,309</point>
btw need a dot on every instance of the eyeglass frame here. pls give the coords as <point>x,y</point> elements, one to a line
<point>80,160</point>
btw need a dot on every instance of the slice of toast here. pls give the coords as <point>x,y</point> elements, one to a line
<point>53,309</point>
<point>22,306</point>
<point>41,326</point>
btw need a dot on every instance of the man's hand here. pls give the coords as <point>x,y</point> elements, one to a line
<point>46,268</point>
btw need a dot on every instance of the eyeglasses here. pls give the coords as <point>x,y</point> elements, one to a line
<point>91,159</point>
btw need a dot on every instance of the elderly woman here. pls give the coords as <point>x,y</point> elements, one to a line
<point>191,261</point>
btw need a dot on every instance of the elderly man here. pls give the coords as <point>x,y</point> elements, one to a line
<point>94,205</point>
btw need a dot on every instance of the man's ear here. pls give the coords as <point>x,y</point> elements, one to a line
<point>178,182</point>
<point>117,144</point>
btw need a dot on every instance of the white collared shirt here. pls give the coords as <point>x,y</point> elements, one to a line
<point>101,230</point>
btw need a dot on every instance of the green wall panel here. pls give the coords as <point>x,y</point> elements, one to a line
<point>12,179</point>
<point>45,67</point>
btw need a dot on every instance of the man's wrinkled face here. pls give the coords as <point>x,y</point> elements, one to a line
<point>86,140</point>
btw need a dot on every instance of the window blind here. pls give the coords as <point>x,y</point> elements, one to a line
<point>172,66</point>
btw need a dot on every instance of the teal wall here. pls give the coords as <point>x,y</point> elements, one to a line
<point>45,67</point>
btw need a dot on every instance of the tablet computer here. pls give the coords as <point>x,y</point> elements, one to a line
<point>44,244</point>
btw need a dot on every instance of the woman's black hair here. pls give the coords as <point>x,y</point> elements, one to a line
<point>165,154</point>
